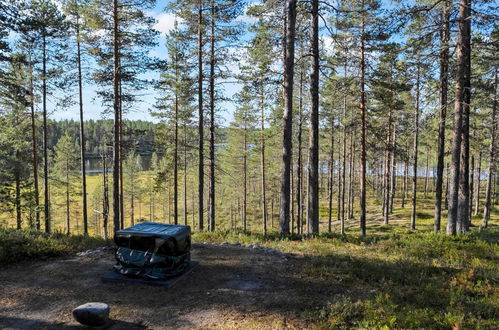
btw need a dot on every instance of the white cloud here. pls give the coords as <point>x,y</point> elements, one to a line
<point>165,22</point>
<point>245,18</point>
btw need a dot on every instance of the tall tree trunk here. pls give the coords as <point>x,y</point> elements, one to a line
<point>330,183</point>
<point>17,178</point>
<point>447,187</point>
<point>68,226</point>
<point>386,195</point>
<point>34,153</point>
<point>201,119</point>
<point>185,175</point>
<point>116,104</point>
<point>427,172</point>
<point>313,153</point>
<point>132,199</point>
<point>122,208</point>
<point>415,152</point>
<point>262,151</point>
<point>212,119</point>
<point>299,189</point>
<point>463,204</point>
<point>444,80</point>
<point>463,55</point>
<point>406,174</point>
<point>175,164</point>
<point>363,115</point>
<point>492,164</point>
<point>245,178</point>
<point>478,181</point>
<point>45,136</point>
<point>394,172</point>
<point>82,132</point>
<point>343,170</point>
<point>105,199</point>
<point>352,191</point>
<point>287,118</point>
<point>471,187</point>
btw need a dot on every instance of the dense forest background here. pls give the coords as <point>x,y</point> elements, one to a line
<point>340,112</point>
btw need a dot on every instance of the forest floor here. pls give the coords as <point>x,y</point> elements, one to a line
<point>394,278</point>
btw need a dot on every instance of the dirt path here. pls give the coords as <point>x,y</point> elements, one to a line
<point>233,287</point>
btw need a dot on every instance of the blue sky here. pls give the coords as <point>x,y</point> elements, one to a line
<point>92,105</point>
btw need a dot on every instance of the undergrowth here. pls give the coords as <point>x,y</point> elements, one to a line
<point>17,245</point>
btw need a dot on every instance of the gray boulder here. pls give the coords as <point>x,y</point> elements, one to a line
<point>93,314</point>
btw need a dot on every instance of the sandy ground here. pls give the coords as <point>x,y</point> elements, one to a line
<point>233,287</point>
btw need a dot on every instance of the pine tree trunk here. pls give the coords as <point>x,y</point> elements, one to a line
<point>185,175</point>
<point>463,55</point>
<point>427,172</point>
<point>68,227</point>
<point>116,105</point>
<point>344,165</point>
<point>386,195</point>
<point>34,154</point>
<point>262,150</point>
<point>299,189</point>
<point>82,132</point>
<point>393,179</point>
<point>444,80</point>
<point>105,199</point>
<point>406,175</point>
<point>363,115</point>
<point>463,204</point>
<point>201,119</point>
<point>471,187</point>
<point>492,164</point>
<point>212,119</point>
<point>287,143</point>
<point>352,190</point>
<point>17,179</point>
<point>175,164</point>
<point>478,181</point>
<point>45,138</point>
<point>330,183</point>
<point>415,153</point>
<point>121,199</point>
<point>245,178</point>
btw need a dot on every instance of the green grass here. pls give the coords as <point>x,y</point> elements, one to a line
<point>393,278</point>
<point>18,245</point>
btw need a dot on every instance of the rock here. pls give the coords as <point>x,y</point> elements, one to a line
<point>250,246</point>
<point>225,243</point>
<point>93,314</point>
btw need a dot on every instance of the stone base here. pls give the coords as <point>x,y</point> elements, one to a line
<point>114,277</point>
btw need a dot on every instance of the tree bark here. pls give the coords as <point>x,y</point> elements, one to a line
<point>463,55</point>
<point>212,119</point>
<point>463,204</point>
<point>185,175</point>
<point>287,118</point>
<point>363,115</point>
<point>415,152</point>
<point>313,154</point>
<point>201,119</point>
<point>116,104</point>
<point>478,183</point>
<point>299,188</point>
<point>262,151</point>
<point>444,80</point>
<point>82,132</point>
<point>492,164</point>
<point>34,153</point>
<point>45,136</point>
